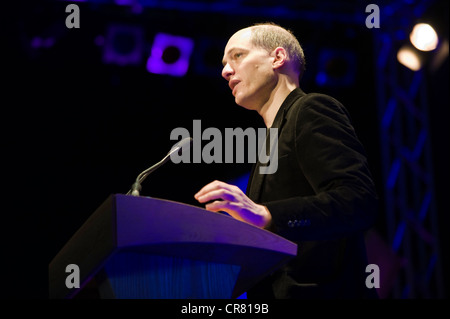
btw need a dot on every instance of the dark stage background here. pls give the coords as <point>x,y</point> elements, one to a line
<point>78,128</point>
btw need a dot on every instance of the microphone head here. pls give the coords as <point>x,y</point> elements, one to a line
<point>178,147</point>
<point>183,144</point>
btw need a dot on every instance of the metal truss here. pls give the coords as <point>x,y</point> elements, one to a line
<point>409,197</point>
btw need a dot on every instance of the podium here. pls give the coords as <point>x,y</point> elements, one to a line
<point>149,248</point>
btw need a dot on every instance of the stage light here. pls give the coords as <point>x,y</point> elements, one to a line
<point>208,56</point>
<point>170,55</point>
<point>423,37</point>
<point>441,54</point>
<point>337,68</point>
<point>123,45</point>
<point>409,58</point>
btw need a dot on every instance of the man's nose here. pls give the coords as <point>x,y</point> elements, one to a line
<point>227,72</point>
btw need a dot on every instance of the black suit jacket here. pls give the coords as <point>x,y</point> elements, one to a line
<point>321,197</point>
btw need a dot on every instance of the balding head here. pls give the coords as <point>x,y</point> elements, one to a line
<point>270,36</point>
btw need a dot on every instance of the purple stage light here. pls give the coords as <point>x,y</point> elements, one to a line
<point>123,45</point>
<point>336,68</point>
<point>208,56</point>
<point>170,55</point>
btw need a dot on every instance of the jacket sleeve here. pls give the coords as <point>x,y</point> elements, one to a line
<point>334,163</point>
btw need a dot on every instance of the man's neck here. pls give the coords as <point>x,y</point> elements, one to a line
<point>269,110</point>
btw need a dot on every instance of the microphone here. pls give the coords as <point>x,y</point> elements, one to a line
<point>178,147</point>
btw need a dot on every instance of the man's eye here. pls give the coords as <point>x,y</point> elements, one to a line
<point>237,55</point>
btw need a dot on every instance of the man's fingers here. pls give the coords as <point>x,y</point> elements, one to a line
<point>224,206</point>
<point>216,206</point>
<point>205,189</point>
<point>222,194</point>
<point>215,185</point>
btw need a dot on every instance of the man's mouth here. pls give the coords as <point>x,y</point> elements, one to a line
<point>233,84</point>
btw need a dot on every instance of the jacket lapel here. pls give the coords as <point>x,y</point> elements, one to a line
<point>256,179</point>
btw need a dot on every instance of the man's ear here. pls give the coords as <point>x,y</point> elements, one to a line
<point>280,57</point>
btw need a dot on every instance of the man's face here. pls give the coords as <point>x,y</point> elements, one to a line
<point>248,70</point>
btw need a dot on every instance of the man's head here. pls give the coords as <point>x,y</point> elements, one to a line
<point>255,59</point>
<point>270,36</point>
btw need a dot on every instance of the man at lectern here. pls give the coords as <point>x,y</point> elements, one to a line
<point>321,195</point>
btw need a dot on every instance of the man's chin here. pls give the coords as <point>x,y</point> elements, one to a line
<point>243,103</point>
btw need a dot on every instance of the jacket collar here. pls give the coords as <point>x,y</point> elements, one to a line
<point>285,106</point>
<point>256,180</point>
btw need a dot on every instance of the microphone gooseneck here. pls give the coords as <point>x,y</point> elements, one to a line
<point>178,147</point>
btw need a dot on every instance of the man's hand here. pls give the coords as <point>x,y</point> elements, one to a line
<point>231,199</point>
